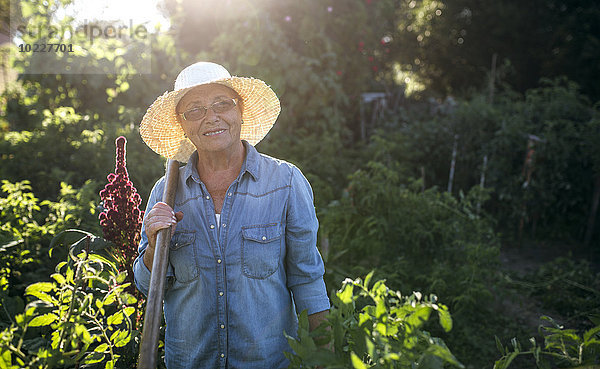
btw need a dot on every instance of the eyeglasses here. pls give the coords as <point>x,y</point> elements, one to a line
<point>220,106</point>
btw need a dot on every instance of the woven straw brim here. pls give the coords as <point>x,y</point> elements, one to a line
<point>162,132</point>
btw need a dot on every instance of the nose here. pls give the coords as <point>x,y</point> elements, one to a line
<point>210,116</point>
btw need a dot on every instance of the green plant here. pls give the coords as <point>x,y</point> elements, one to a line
<point>420,240</point>
<point>564,286</point>
<point>373,326</point>
<point>81,317</point>
<point>27,227</point>
<point>563,348</point>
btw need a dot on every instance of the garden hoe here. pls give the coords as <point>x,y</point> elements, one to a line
<point>154,303</point>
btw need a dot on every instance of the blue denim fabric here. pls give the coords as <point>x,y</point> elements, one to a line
<point>233,290</point>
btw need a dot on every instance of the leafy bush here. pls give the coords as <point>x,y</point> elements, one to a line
<point>419,240</point>
<point>374,327</point>
<point>28,225</point>
<point>436,239</point>
<point>81,317</point>
<point>567,287</point>
<point>563,348</point>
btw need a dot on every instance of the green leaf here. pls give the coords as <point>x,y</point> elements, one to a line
<point>59,266</point>
<point>82,333</point>
<point>40,287</point>
<point>587,336</point>
<point>363,318</point>
<point>499,345</point>
<point>357,363</point>
<point>445,318</point>
<point>43,320</point>
<point>417,318</point>
<point>368,279</point>
<point>110,298</point>
<point>100,259</point>
<point>27,9</point>
<point>101,348</point>
<point>93,358</point>
<point>121,277</point>
<point>303,320</point>
<point>122,339</point>
<point>69,275</point>
<point>380,309</point>
<point>59,278</point>
<point>127,298</point>
<point>116,318</point>
<point>444,353</point>
<point>346,295</point>
<point>505,361</point>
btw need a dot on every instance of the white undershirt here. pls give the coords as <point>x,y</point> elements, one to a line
<point>218,216</point>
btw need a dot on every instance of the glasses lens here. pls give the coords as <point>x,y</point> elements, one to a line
<point>223,106</point>
<point>195,114</point>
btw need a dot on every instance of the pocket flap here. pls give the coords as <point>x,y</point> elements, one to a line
<point>263,233</point>
<point>182,239</point>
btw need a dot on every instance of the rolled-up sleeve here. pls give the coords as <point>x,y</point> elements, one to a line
<point>141,273</point>
<point>304,263</point>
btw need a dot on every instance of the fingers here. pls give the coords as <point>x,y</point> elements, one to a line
<point>161,216</point>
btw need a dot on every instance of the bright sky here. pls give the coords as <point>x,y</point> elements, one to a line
<point>138,11</point>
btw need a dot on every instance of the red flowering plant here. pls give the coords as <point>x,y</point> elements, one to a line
<point>121,219</point>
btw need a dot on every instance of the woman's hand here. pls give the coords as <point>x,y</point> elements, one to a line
<point>161,216</point>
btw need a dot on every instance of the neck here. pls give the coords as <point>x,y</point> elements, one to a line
<point>210,162</point>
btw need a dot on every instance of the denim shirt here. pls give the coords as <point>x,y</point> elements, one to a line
<point>232,290</point>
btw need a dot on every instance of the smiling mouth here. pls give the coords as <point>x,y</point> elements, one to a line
<point>213,133</point>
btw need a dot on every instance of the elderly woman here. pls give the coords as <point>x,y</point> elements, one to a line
<point>243,257</point>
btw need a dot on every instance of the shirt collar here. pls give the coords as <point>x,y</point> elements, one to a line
<point>250,164</point>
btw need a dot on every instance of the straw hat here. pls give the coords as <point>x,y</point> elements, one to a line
<point>160,128</point>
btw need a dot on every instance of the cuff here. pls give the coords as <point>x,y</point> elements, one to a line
<point>311,296</point>
<point>141,274</point>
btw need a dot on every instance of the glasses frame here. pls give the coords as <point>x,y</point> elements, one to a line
<point>211,106</point>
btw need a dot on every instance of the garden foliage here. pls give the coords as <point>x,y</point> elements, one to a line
<point>83,316</point>
<point>421,240</point>
<point>562,348</point>
<point>373,326</point>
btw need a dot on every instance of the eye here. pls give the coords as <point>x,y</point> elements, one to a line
<point>223,106</point>
<point>195,113</point>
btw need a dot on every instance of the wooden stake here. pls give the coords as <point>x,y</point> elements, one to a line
<point>452,164</point>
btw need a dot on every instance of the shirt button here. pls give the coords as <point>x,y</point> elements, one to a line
<point>222,326</point>
<point>207,197</point>
<point>212,226</point>
<point>221,293</point>
<point>219,261</point>
<point>222,355</point>
<point>224,225</point>
<point>264,238</point>
<point>229,194</point>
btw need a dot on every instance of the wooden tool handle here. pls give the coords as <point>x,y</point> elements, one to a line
<point>156,291</point>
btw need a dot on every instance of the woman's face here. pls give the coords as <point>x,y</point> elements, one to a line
<point>214,132</point>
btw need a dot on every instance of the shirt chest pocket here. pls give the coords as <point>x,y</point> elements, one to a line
<point>261,249</point>
<point>182,256</point>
